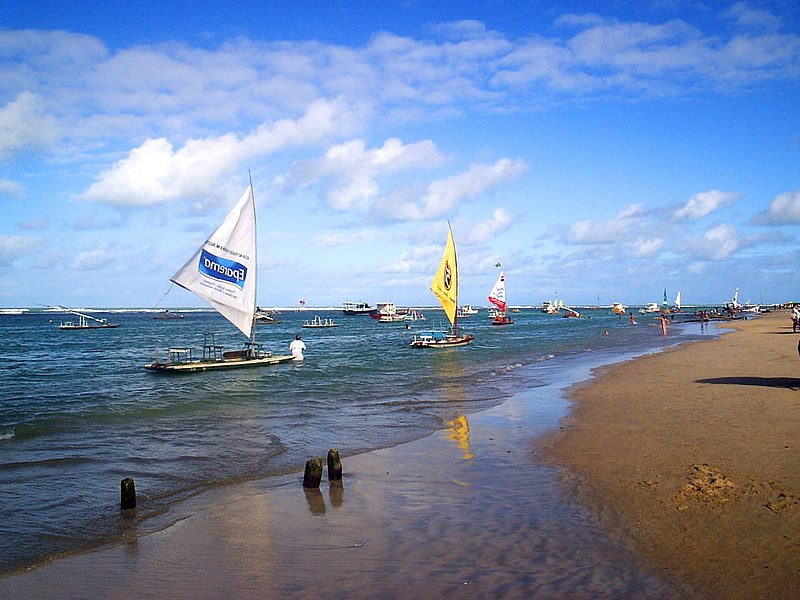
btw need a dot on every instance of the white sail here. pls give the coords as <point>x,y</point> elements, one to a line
<point>223,271</point>
<point>678,300</point>
<point>498,294</point>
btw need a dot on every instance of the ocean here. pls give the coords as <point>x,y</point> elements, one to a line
<point>79,413</point>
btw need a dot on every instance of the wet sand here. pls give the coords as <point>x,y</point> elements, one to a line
<point>691,456</point>
<point>676,476</point>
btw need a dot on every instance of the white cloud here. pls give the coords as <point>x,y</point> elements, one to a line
<point>94,259</point>
<point>611,231</point>
<point>703,204</point>
<point>443,195</point>
<point>747,16</point>
<point>783,210</point>
<point>17,246</point>
<point>484,230</point>
<point>349,172</point>
<point>24,123</point>
<point>10,188</point>
<point>647,247</point>
<point>156,173</point>
<point>718,243</point>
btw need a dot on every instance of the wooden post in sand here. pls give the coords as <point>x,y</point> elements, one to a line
<point>313,474</point>
<point>127,494</point>
<point>334,465</point>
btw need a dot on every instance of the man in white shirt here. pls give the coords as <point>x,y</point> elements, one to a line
<point>297,347</point>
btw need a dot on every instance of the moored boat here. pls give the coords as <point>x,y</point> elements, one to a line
<point>85,322</point>
<point>498,297</point>
<point>223,273</point>
<point>318,322</point>
<point>357,309</point>
<point>445,287</point>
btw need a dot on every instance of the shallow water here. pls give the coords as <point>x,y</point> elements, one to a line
<point>78,412</point>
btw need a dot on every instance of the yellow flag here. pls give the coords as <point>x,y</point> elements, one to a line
<point>445,283</point>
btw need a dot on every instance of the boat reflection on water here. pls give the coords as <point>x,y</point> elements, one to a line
<point>459,433</point>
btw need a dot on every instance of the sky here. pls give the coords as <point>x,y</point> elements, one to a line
<point>600,152</point>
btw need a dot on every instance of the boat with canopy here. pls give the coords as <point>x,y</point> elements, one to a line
<point>445,287</point>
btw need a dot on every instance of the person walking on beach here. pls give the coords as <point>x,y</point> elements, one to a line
<point>297,347</point>
<point>664,325</point>
<point>795,318</point>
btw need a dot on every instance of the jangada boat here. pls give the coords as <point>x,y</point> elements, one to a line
<point>85,322</point>
<point>223,273</point>
<point>498,297</point>
<point>445,287</point>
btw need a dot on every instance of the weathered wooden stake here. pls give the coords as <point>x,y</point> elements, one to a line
<point>334,465</point>
<point>313,474</point>
<point>127,494</point>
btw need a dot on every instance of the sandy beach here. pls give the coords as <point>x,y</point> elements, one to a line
<point>691,456</point>
<point>675,475</point>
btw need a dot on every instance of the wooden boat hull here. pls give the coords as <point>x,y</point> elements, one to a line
<point>217,365</point>
<point>450,342</point>
<point>502,321</point>
<point>106,326</point>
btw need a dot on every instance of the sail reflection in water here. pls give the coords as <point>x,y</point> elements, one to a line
<point>459,433</point>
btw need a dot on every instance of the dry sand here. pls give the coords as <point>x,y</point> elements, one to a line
<point>691,455</point>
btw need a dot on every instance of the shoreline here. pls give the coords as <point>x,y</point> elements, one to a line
<point>504,504</point>
<point>690,456</point>
<point>470,510</point>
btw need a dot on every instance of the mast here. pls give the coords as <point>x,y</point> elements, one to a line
<point>255,271</point>
<point>455,260</point>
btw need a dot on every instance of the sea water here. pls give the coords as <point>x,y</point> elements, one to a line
<point>78,411</point>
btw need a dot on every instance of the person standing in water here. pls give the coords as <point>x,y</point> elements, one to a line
<point>297,347</point>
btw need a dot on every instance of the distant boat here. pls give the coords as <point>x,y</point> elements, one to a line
<point>167,316</point>
<point>265,316</point>
<point>387,312</point>
<point>678,301</point>
<point>223,273</point>
<point>652,307</point>
<point>357,308</point>
<point>498,297</point>
<point>85,322</point>
<point>618,308</point>
<point>317,322</point>
<point>445,287</point>
<point>467,311</point>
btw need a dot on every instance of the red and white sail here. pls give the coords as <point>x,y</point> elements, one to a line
<point>498,293</point>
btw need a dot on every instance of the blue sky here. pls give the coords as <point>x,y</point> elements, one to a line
<point>599,151</point>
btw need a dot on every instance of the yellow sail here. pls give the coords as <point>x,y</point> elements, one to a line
<point>445,282</point>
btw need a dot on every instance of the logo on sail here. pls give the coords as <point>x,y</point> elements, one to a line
<point>222,269</point>
<point>448,276</point>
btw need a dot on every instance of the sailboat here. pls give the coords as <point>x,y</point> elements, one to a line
<point>678,302</point>
<point>85,321</point>
<point>445,287</point>
<point>498,297</point>
<point>223,273</point>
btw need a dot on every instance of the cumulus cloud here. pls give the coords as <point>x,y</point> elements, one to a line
<point>94,259</point>
<point>348,173</point>
<point>441,196</point>
<point>718,243</point>
<point>783,210</point>
<point>484,230</point>
<point>157,173</point>
<point>703,204</point>
<point>10,188</point>
<point>17,246</point>
<point>611,231</point>
<point>24,123</point>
